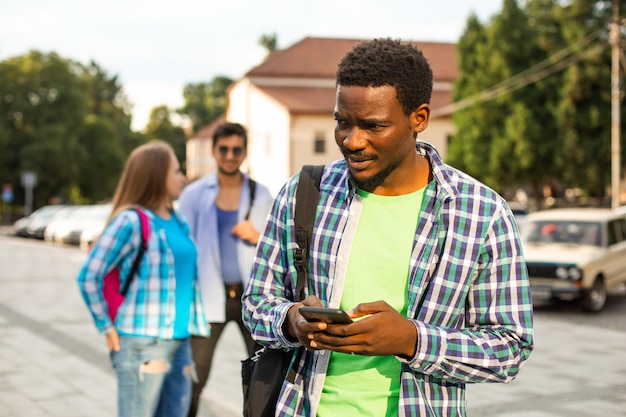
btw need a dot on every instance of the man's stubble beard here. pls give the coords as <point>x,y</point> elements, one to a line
<point>228,173</point>
<point>370,184</point>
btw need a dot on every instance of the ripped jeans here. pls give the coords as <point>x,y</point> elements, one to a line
<point>154,377</point>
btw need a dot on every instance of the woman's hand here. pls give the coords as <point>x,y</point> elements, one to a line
<point>113,340</point>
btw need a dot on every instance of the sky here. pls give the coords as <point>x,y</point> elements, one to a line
<point>155,47</point>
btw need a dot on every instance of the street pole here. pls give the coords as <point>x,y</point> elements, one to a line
<point>614,37</point>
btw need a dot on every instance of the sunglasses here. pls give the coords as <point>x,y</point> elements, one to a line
<point>236,150</point>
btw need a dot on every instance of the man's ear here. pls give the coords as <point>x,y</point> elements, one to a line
<point>420,117</point>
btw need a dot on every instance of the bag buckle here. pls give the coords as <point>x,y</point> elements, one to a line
<point>299,255</point>
<point>257,354</point>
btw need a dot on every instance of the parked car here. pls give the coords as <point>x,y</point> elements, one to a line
<point>59,218</point>
<point>37,227</point>
<point>34,224</point>
<point>68,230</point>
<point>575,254</point>
<point>520,211</point>
<point>92,230</point>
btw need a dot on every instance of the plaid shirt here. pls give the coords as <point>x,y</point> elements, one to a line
<point>468,297</point>
<point>149,307</point>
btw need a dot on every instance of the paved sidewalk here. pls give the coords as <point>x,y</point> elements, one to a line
<point>52,360</point>
<point>53,363</point>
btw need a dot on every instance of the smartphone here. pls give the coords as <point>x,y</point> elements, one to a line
<point>327,315</point>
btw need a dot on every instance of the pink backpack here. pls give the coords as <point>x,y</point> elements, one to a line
<point>113,295</point>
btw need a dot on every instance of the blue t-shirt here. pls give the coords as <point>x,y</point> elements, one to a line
<point>226,220</point>
<point>185,254</point>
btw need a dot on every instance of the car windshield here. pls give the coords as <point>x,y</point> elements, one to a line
<point>97,212</point>
<point>572,232</point>
<point>46,212</point>
<point>65,212</point>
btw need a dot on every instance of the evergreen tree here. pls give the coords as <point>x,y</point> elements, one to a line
<point>547,121</point>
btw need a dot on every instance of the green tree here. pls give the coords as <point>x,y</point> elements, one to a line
<point>65,121</point>
<point>109,103</point>
<point>44,104</point>
<point>514,37</point>
<point>551,63</point>
<point>473,78</point>
<point>584,112</point>
<point>269,41</point>
<point>205,102</point>
<point>105,155</point>
<point>161,127</point>
<point>491,140</point>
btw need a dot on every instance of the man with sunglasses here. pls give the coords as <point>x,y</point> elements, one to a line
<point>226,211</point>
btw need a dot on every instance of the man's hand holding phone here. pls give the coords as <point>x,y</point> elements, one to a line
<point>298,327</point>
<point>380,331</point>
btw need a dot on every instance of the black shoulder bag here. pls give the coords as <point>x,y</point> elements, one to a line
<point>263,374</point>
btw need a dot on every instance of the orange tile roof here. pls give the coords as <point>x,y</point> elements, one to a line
<point>318,58</point>
<point>309,100</point>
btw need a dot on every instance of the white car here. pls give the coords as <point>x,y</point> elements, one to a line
<point>92,229</point>
<point>575,253</point>
<point>50,231</point>
<point>35,224</point>
<point>71,228</point>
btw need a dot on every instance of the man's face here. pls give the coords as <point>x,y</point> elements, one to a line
<point>375,137</point>
<point>229,153</point>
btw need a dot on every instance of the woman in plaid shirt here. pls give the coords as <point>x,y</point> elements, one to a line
<point>149,338</point>
<point>425,259</point>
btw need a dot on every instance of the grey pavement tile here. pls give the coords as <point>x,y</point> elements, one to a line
<point>95,384</point>
<point>74,406</point>
<point>37,384</point>
<point>223,389</point>
<point>9,360</point>
<point>559,372</point>
<point>17,404</point>
<point>517,413</point>
<point>85,331</point>
<point>595,408</point>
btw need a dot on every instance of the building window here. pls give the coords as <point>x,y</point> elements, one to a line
<point>320,143</point>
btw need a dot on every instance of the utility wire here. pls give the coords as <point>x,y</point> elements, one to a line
<point>549,66</point>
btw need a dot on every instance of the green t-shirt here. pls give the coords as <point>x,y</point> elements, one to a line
<point>378,269</point>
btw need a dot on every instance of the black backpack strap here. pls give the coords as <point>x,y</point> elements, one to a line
<point>252,186</point>
<point>142,249</point>
<point>307,196</point>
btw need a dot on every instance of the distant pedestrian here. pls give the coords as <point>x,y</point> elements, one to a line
<point>227,210</point>
<point>149,339</point>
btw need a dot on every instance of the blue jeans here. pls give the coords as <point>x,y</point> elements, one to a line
<point>154,377</point>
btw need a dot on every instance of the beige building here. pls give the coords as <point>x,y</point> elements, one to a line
<point>287,102</point>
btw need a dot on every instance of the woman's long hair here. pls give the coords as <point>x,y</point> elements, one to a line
<point>143,181</point>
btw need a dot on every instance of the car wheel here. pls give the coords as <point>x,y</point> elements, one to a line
<point>594,298</point>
